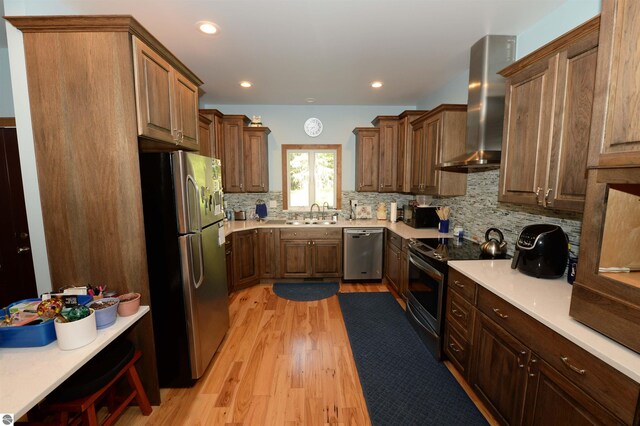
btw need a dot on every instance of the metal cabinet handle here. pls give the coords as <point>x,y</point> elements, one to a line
<point>566,362</point>
<point>308,243</point>
<point>529,367</point>
<point>255,232</point>
<point>500,314</point>
<point>457,313</point>
<point>23,249</point>
<point>453,348</point>
<point>546,197</point>
<point>538,195</point>
<point>520,363</point>
<point>458,284</point>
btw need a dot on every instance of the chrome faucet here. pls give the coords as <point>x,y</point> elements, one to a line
<point>325,205</point>
<point>311,209</point>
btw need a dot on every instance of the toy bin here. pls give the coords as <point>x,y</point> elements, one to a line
<point>30,335</point>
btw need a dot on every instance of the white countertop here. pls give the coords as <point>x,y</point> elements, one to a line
<point>548,302</point>
<point>29,374</point>
<point>400,228</point>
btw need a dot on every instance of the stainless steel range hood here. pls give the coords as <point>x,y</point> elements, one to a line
<point>485,108</point>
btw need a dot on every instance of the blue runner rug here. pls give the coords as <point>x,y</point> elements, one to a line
<point>305,291</point>
<point>403,384</point>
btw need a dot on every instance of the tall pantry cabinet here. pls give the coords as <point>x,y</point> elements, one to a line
<point>82,93</point>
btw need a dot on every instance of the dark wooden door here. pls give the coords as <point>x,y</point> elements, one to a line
<point>388,165</point>
<point>367,159</point>
<point>245,259</point>
<point>295,258</point>
<point>17,277</point>
<point>327,258</point>
<point>498,374</point>
<point>268,252</point>
<point>553,400</point>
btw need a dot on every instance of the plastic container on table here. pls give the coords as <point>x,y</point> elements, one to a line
<point>30,335</point>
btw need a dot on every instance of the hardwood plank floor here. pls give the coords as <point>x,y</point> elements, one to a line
<point>281,363</point>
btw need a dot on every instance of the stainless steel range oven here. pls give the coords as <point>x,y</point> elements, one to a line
<point>427,284</point>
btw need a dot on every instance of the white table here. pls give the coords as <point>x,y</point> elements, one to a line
<point>27,375</point>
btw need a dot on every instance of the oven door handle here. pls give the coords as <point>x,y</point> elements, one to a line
<point>425,267</point>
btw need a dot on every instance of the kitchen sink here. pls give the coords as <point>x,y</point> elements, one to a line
<point>321,222</point>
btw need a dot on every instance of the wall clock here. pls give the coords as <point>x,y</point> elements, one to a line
<point>313,127</point>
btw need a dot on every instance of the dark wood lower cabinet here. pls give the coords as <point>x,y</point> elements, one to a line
<point>245,259</point>
<point>526,373</point>
<point>268,252</point>
<point>498,374</point>
<point>228,251</point>
<point>552,399</point>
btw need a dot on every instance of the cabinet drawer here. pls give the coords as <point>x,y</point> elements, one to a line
<point>394,239</point>
<point>605,384</point>
<point>460,312</point>
<point>311,234</point>
<point>457,349</point>
<point>463,285</point>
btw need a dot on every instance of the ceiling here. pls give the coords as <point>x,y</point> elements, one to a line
<point>330,50</point>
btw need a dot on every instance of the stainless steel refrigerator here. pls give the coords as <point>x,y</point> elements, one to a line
<point>184,232</point>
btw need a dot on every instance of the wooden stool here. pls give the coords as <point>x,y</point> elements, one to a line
<point>118,353</point>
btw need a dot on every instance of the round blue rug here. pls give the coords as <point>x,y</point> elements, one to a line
<point>305,291</point>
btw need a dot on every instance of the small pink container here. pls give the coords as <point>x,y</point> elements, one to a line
<point>128,307</point>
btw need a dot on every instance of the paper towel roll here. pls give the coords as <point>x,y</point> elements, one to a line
<point>393,216</point>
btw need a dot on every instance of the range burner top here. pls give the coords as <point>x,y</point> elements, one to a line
<point>445,249</point>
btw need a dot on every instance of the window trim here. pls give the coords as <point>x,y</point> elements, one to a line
<point>309,147</point>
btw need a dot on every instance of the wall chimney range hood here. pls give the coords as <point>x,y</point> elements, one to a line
<point>485,110</point>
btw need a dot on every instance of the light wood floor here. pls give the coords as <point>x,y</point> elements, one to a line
<point>281,363</point>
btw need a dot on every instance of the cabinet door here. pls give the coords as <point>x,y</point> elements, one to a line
<point>553,400</point>
<point>497,373</point>
<point>418,148</point>
<point>572,124</point>
<point>186,111</point>
<point>403,161</point>
<point>154,93</point>
<point>615,139</point>
<point>392,265</point>
<point>256,164</point>
<point>233,164</point>
<point>367,153</point>
<point>432,136</point>
<point>204,136</point>
<point>388,164</point>
<point>245,258</point>
<point>228,251</point>
<point>268,251</point>
<point>295,258</point>
<point>326,258</point>
<point>528,109</point>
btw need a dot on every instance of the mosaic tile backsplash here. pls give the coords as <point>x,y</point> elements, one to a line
<point>476,212</point>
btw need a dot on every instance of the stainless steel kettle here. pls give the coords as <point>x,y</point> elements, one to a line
<point>493,247</point>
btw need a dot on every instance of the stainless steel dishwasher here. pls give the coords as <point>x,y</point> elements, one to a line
<point>363,253</point>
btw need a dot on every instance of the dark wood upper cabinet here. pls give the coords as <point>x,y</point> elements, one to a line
<point>204,136</point>
<point>233,160</point>
<point>615,138</point>
<point>367,158</point>
<point>404,156</point>
<point>388,153</point>
<point>256,159</point>
<point>438,136</point>
<point>216,137</point>
<point>166,101</point>
<point>548,105</point>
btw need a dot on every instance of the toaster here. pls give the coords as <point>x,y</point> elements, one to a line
<point>542,251</point>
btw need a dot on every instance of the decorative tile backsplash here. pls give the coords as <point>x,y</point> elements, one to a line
<point>477,211</point>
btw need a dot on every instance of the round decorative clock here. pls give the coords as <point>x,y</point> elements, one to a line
<point>313,127</point>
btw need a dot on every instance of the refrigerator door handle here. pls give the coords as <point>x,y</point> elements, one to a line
<point>191,252</point>
<point>196,203</point>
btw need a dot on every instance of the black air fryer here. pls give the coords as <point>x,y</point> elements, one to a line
<point>542,251</point>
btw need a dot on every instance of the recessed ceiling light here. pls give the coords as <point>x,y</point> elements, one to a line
<point>376,84</point>
<point>310,100</point>
<point>208,27</point>
<point>246,84</point>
